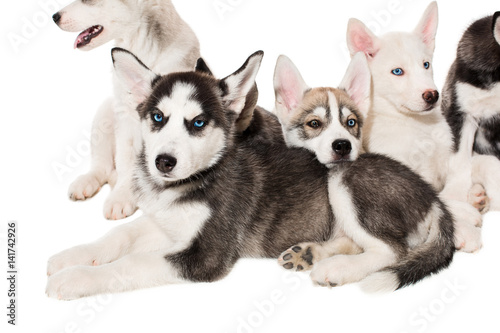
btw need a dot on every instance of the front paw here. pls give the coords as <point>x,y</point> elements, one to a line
<point>84,255</point>
<point>72,283</point>
<point>299,257</point>
<point>334,271</point>
<point>467,238</point>
<point>478,199</point>
<point>119,205</point>
<point>86,186</point>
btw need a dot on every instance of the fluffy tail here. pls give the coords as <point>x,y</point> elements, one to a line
<point>435,254</point>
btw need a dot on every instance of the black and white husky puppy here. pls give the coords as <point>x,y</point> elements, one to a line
<point>472,89</point>
<point>403,229</point>
<point>471,103</point>
<point>209,196</point>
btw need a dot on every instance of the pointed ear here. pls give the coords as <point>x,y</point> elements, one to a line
<point>236,86</point>
<point>361,39</point>
<point>427,27</point>
<point>496,27</point>
<point>246,116</point>
<point>289,87</point>
<point>202,67</point>
<point>136,77</point>
<point>357,82</point>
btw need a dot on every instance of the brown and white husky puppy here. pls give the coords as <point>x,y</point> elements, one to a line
<point>403,229</point>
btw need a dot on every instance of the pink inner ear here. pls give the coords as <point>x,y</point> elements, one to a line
<point>356,90</point>
<point>362,42</point>
<point>427,26</point>
<point>496,31</point>
<point>429,32</point>
<point>291,100</point>
<point>357,82</point>
<point>290,90</point>
<point>356,94</point>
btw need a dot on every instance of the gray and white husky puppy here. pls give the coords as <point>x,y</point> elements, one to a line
<point>154,31</point>
<point>209,195</point>
<point>404,231</point>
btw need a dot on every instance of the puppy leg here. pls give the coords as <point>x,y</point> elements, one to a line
<point>460,183</point>
<point>102,153</point>
<point>467,223</point>
<point>139,236</point>
<point>134,271</point>
<point>467,237</point>
<point>486,171</point>
<point>121,203</point>
<point>342,269</point>
<point>461,187</point>
<point>478,198</point>
<point>304,255</point>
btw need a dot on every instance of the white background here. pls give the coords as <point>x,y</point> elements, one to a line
<point>49,94</point>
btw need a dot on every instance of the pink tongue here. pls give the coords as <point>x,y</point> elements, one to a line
<point>80,37</point>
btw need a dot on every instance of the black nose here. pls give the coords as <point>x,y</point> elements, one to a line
<point>56,17</point>
<point>342,147</point>
<point>430,96</point>
<point>165,163</point>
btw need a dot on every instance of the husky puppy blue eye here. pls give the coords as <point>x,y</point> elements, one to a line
<point>427,65</point>
<point>158,117</point>
<point>199,124</point>
<point>351,123</point>
<point>397,71</point>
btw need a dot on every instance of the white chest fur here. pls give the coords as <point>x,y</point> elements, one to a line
<point>181,221</point>
<point>421,142</point>
<point>479,103</point>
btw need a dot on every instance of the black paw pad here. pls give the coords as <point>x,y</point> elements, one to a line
<point>287,257</point>
<point>296,249</point>
<point>288,265</point>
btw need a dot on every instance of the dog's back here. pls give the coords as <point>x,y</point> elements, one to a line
<point>268,199</point>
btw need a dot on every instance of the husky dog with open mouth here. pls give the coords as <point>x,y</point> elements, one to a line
<point>154,31</point>
<point>403,229</point>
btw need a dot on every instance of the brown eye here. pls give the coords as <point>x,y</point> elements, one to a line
<point>314,124</point>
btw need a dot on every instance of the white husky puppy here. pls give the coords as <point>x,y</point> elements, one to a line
<point>405,120</point>
<point>152,30</point>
